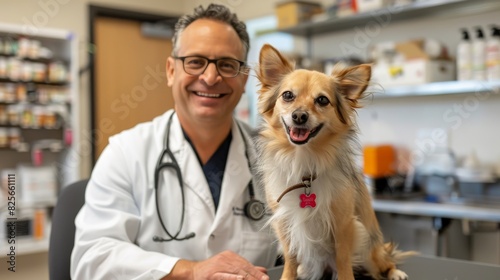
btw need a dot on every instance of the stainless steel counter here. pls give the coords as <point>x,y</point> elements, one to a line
<point>442,210</point>
<point>433,268</point>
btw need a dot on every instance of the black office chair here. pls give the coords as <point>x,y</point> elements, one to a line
<point>62,233</point>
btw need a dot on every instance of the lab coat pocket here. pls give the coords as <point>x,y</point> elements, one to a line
<point>259,248</point>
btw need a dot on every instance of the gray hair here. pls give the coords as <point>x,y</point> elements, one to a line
<point>216,12</point>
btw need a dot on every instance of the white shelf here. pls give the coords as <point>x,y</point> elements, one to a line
<point>440,88</point>
<point>36,32</point>
<point>418,9</point>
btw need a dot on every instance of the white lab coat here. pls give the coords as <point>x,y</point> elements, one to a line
<point>119,219</point>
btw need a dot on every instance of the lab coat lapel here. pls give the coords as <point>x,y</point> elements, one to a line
<point>192,173</point>
<point>236,178</point>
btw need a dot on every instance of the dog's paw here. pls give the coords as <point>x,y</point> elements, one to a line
<point>397,274</point>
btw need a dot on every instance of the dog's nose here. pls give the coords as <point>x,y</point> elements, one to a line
<point>299,117</point>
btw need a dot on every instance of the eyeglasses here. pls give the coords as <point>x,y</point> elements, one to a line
<point>196,65</point>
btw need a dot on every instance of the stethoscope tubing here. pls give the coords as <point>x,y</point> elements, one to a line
<point>159,167</point>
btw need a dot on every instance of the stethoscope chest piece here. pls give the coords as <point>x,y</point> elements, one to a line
<point>255,209</point>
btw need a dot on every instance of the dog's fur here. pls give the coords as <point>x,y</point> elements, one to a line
<point>309,129</point>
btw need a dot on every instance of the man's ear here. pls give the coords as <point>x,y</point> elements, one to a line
<point>169,67</point>
<point>272,67</point>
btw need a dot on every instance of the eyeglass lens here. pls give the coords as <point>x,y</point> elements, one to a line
<point>227,67</point>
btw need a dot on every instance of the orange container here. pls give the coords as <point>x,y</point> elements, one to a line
<point>39,224</point>
<point>379,161</point>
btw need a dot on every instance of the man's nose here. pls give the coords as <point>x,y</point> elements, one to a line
<point>211,76</point>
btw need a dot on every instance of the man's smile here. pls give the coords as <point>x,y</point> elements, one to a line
<point>209,95</point>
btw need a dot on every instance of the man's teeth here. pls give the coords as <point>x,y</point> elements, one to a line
<point>207,94</point>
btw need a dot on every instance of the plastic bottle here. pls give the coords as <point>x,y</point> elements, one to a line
<point>479,56</point>
<point>493,55</point>
<point>464,57</point>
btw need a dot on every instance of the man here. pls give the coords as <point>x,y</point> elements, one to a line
<point>145,221</point>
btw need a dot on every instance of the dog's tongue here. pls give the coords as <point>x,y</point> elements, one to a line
<point>299,134</point>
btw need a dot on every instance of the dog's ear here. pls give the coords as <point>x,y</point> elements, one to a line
<point>353,82</point>
<point>272,68</point>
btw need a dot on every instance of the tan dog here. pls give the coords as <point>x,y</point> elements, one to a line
<point>321,207</point>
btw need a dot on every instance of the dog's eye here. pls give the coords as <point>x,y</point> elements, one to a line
<point>288,96</point>
<point>322,101</point>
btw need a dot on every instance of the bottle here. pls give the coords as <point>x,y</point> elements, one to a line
<point>479,56</point>
<point>493,55</point>
<point>464,57</point>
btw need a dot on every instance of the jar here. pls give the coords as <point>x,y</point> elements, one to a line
<point>24,45</point>
<point>57,72</point>
<point>43,95</point>
<point>14,114</point>
<point>4,116</point>
<point>14,137</point>
<point>9,47</point>
<point>34,50</point>
<point>21,93</point>
<point>27,72</point>
<point>4,140</point>
<point>50,119</point>
<point>3,67</point>
<point>14,69</point>
<point>9,93</point>
<point>39,72</point>
<point>27,117</point>
<point>38,116</point>
<point>2,93</point>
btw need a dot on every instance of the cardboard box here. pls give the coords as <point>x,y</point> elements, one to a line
<point>291,13</point>
<point>37,184</point>
<point>370,5</point>
<point>413,72</point>
<point>422,49</point>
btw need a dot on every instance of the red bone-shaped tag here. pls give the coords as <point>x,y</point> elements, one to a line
<point>307,200</point>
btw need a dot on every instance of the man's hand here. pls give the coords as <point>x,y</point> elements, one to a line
<point>223,266</point>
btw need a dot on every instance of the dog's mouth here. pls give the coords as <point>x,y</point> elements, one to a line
<point>301,135</point>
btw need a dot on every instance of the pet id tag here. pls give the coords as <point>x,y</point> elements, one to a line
<point>307,200</point>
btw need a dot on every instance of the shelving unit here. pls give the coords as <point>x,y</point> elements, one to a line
<point>419,9</point>
<point>442,88</point>
<point>64,47</point>
<point>323,25</point>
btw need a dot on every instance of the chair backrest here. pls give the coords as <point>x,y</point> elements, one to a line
<point>62,233</point>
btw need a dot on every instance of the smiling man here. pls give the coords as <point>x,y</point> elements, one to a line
<point>169,199</point>
<point>205,75</point>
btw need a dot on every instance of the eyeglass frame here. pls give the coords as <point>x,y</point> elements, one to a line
<point>214,61</point>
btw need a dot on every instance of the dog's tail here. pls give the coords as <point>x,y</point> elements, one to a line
<point>397,256</point>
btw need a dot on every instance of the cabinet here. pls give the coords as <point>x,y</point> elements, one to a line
<point>39,127</point>
<point>374,21</point>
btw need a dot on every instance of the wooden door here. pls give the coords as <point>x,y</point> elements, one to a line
<point>130,82</point>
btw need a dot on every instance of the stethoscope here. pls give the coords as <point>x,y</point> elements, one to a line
<point>254,209</point>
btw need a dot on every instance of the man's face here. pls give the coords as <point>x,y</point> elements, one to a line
<point>207,97</point>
